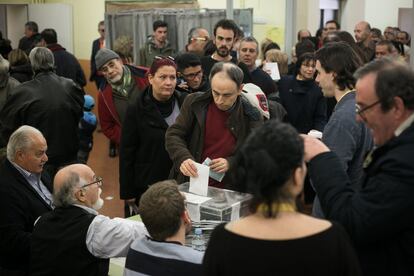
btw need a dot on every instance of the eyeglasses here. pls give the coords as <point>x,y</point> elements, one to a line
<point>205,38</point>
<point>192,76</point>
<point>98,181</point>
<point>360,111</point>
<point>102,30</point>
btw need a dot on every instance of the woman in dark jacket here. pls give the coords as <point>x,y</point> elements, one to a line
<point>143,159</point>
<point>302,98</point>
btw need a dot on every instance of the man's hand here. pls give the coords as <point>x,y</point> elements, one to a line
<point>188,168</point>
<point>219,165</point>
<point>183,85</point>
<point>313,147</point>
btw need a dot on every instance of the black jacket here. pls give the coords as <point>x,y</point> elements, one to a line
<point>304,104</point>
<point>67,65</point>
<point>143,159</point>
<point>379,217</point>
<point>20,206</point>
<point>22,73</point>
<point>53,105</point>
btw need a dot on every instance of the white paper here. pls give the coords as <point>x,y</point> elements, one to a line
<point>235,211</point>
<point>199,184</point>
<point>274,70</point>
<point>195,199</point>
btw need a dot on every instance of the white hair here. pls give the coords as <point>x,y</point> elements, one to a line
<point>41,59</point>
<point>21,139</point>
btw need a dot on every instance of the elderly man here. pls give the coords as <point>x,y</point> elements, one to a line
<point>124,82</point>
<point>7,83</point>
<point>211,124</point>
<point>248,52</point>
<point>378,216</point>
<point>74,239</point>
<point>50,103</point>
<point>157,44</point>
<point>164,214</point>
<point>25,195</point>
<point>197,39</point>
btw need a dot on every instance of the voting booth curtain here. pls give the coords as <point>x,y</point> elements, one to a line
<point>137,24</point>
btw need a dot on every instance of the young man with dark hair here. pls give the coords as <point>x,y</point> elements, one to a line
<point>332,26</point>
<point>336,63</point>
<point>66,64</point>
<point>190,74</point>
<point>156,45</point>
<point>162,209</point>
<point>224,37</point>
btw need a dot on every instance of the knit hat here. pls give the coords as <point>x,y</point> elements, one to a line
<point>103,56</point>
<point>257,98</point>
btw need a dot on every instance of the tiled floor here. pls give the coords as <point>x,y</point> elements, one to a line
<point>107,168</point>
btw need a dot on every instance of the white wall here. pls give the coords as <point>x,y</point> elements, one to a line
<point>383,13</point>
<point>16,18</point>
<point>353,11</point>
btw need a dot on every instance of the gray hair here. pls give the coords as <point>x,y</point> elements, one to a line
<point>232,71</point>
<point>250,39</point>
<point>193,33</point>
<point>4,66</point>
<point>65,195</point>
<point>41,59</point>
<point>21,139</point>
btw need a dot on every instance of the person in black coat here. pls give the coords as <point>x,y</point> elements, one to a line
<point>98,44</point>
<point>20,67</point>
<point>302,98</point>
<point>52,104</point>
<point>143,159</point>
<point>25,194</point>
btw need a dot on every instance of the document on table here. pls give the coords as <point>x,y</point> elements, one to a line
<point>199,184</point>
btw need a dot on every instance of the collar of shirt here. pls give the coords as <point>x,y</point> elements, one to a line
<point>404,125</point>
<point>86,208</point>
<point>26,174</point>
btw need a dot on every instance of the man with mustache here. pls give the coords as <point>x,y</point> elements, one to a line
<point>224,35</point>
<point>25,195</point>
<point>74,239</point>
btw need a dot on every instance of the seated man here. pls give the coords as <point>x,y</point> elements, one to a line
<point>25,195</point>
<point>163,212</point>
<point>74,239</point>
<point>191,77</point>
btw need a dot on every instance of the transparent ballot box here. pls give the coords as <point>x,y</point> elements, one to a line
<point>218,205</point>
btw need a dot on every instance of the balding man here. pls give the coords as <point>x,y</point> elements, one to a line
<point>197,39</point>
<point>362,33</point>
<point>211,124</point>
<point>74,239</point>
<point>25,195</point>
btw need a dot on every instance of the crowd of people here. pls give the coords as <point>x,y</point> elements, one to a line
<point>334,129</point>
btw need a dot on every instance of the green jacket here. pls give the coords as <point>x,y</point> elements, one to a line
<point>150,50</point>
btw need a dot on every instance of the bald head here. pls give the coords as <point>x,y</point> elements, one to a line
<point>67,181</point>
<point>362,31</point>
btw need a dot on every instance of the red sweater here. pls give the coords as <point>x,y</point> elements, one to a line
<point>219,142</point>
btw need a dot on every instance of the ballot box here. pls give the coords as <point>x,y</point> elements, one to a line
<point>218,205</point>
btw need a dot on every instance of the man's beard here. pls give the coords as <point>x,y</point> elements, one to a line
<point>223,52</point>
<point>99,202</point>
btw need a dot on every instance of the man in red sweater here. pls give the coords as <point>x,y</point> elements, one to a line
<point>211,125</point>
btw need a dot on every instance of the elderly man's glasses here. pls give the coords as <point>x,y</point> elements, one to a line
<point>201,38</point>
<point>360,111</point>
<point>98,181</point>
